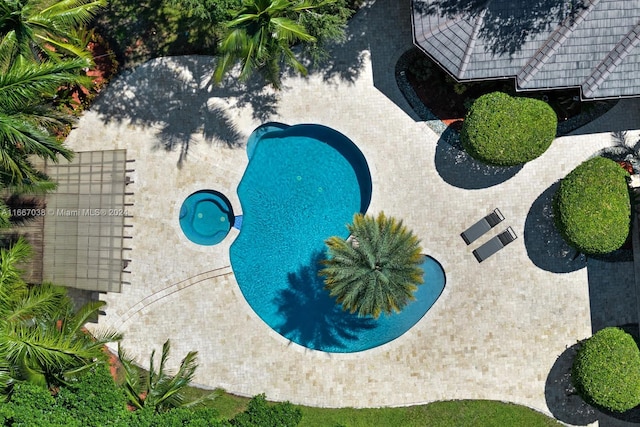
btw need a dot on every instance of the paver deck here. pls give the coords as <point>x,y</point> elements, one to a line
<point>496,330</point>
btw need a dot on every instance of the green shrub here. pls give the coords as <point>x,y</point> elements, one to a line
<point>259,413</point>
<point>93,398</point>
<point>183,417</point>
<point>592,207</point>
<point>502,130</point>
<point>606,370</point>
<point>33,405</point>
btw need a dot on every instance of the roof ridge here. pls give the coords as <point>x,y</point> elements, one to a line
<point>551,45</point>
<point>611,61</point>
<point>464,63</point>
<point>448,23</point>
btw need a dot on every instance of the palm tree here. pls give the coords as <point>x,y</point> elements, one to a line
<point>27,122</point>
<point>39,29</point>
<point>159,390</point>
<point>377,269</point>
<point>260,37</point>
<point>42,339</point>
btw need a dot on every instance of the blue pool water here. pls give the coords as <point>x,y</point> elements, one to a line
<point>206,217</point>
<point>303,184</point>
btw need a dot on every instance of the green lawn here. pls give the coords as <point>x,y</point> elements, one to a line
<point>459,413</point>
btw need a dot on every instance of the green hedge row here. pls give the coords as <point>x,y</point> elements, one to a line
<point>606,370</point>
<point>592,207</point>
<point>94,400</point>
<point>505,131</point>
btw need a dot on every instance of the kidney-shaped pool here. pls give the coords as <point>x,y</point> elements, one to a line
<point>302,185</point>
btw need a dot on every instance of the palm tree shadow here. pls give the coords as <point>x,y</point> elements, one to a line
<point>461,170</point>
<point>346,58</point>
<point>176,97</point>
<point>545,246</point>
<point>311,317</point>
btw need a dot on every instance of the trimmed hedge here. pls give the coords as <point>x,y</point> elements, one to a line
<point>592,207</point>
<point>502,130</point>
<point>606,370</point>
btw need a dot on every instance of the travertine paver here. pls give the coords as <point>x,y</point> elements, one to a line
<point>495,332</point>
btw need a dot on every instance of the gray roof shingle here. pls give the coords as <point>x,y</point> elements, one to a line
<point>591,44</point>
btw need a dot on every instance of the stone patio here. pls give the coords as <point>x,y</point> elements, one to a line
<point>497,329</point>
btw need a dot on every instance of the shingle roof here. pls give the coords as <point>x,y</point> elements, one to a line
<point>591,44</point>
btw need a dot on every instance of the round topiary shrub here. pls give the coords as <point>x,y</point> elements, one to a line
<point>606,370</point>
<point>592,207</point>
<point>502,130</point>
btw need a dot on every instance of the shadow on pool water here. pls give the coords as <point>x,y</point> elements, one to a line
<point>302,185</point>
<point>312,318</point>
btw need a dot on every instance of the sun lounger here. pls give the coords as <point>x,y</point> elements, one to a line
<point>479,228</point>
<point>494,244</point>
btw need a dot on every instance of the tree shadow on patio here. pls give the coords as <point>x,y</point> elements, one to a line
<point>566,405</point>
<point>612,302</point>
<point>505,25</point>
<point>312,317</point>
<point>545,246</point>
<point>459,169</point>
<point>345,59</point>
<point>561,396</point>
<point>176,98</point>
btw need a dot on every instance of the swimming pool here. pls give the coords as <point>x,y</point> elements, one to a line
<point>303,184</point>
<point>206,217</point>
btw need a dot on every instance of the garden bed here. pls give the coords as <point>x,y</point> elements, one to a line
<point>427,87</point>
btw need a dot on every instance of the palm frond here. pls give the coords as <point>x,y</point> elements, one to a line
<point>290,31</point>
<point>40,300</point>
<point>133,379</point>
<point>26,83</point>
<point>378,270</point>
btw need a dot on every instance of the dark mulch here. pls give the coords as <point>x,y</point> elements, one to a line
<point>449,100</point>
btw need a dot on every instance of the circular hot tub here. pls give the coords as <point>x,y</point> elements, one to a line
<point>206,217</point>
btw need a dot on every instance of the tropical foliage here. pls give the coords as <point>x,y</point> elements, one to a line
<point>27,123</point>
<point>502,130</point>
<point>606,370</point>
<point>38,30</point>
<point>159,390</point>
<point>41,50</point>
<point>260,38</point>
<point>95,400</point>
<point>42,340</point>
<point>262,34</point>
<point>260,413</point>
<point>377,269</point>
<point>592,207</point>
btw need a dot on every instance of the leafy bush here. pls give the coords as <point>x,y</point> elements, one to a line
<point>33,405</point>
<point>606,370</point>
<point>592,207</point>
<point>93,399</point>
<point>506,131</point>
<point>259,413</point>
<point>188,417</point>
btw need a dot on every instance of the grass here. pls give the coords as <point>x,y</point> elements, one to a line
<point>461,413</point>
